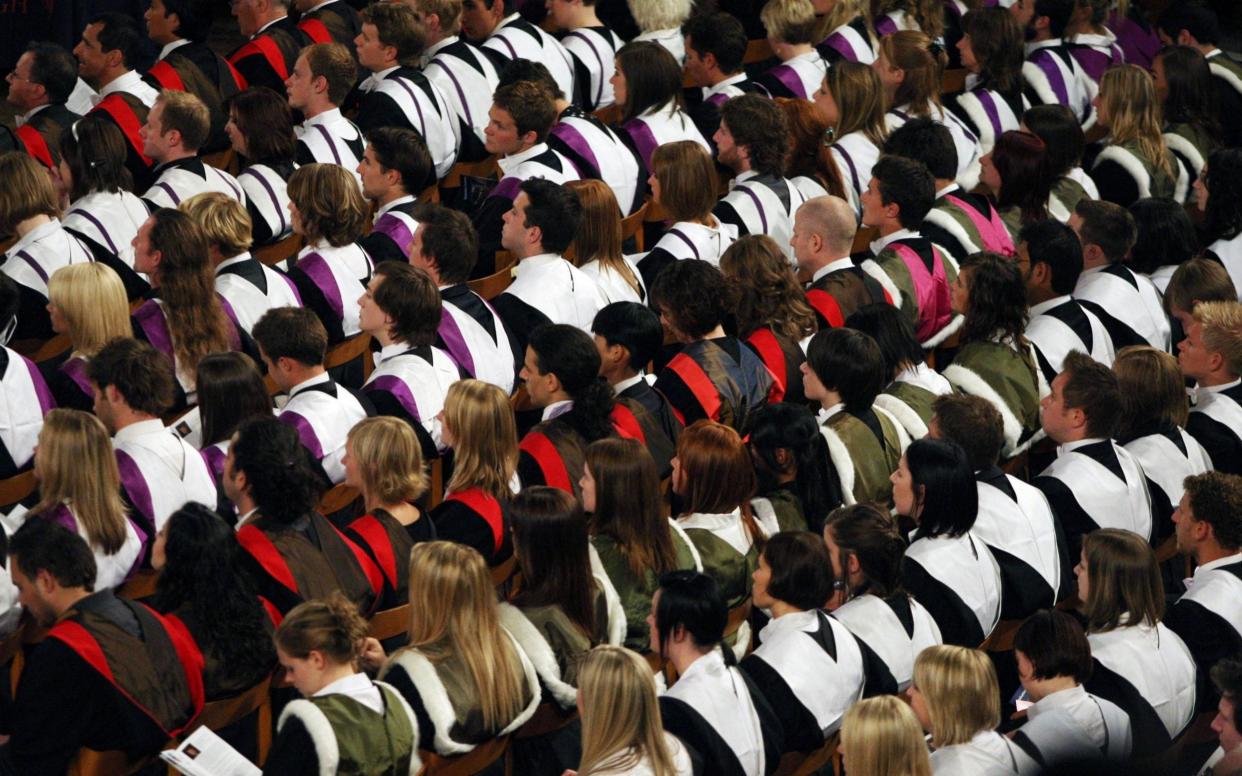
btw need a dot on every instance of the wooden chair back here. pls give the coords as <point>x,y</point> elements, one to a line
<point>610,115</point>
<point>469,763</point>
<point>141,585</point>
<point>218,715</point>
<point>757,51</point>
<point>430,194</point>
<point>1001,638</point>
<point>435,483</point>
<point>738,615</point>
<point>487,168</point>
<point>632,226</point>
<point>953,80</point>
<point>357,346</point>
<point>17,488</point>
<point>863,239</point>
<point>808,763</point>
<point>225,160</point>
<point>495,284</point>
<point>276,252</point>
<point>390,623</point>
<point>548,718</point>
<point>89,762</point>
<point>337,498</point>
<point>503,575</point>
<point>46,350</point>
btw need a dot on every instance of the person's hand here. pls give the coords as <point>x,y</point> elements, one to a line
<point>372,655</point>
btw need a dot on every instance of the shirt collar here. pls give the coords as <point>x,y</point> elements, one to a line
<point>1219,388</point>
<point>1058,699</point>
<point>348,685</point>
<point>390,351</point>
<point>28,115</point>
<point>171,47</point>
<point>433,49</point>
<point>625,384</point>
<point>533,263</point>
<point>711,663</point>
<point>737,78</point>
<point>881,243</point>
<point>371,82</point>
<point>1069,447</point>
<point>241,521</point>
<point>836,265</point>
<point>742,177</point>
<point>140,429</point>
<point>510,19</point>
<point>794,621</point>
<point>952,187</point>
<point>126,82</point>
<point>238,259</point>
<point>1228,560</point>
<point>322,377</point>
<point>511,161</point>
<point>1048,304</point>
<point>262,29</point>
<point>326,117</point>
<point>557,408</point>
<point>1036,45</point>
<point>398,201</point>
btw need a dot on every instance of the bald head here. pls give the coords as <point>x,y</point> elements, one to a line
<point>824,230</point>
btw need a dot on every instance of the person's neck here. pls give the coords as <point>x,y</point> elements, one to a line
<point>1042,35</point>
<point>108,76</point>
<point>1206,48</point>
<point>1210,551</point>
<point>742,167</point>
<point>68,597</point>
<point>27,226</point>
<point>779,609</point>
<point>619,374</point>
<point>1071,436</point>
<point>273,14</point>
<point>527,251</point>
<point>123,417</point>
<point>176,156</point>
<point>683,655</point>
<point>890,227</point>
<point>334,672</point>
<point>1039,689</point>
<point>584,16</point>
<point>715,333</point>
<point>525,147</point>
<point>317,107</point>
<point>300,374</point>
<point>716,75</point>
<point>1039,294</point>
<point>385,337</point>
<point>1093,263</point>
<point>821,260</point>
<point>434,35</point>
<point>1219,377</point>
<point>944,183</point>
<point>790,50</point>
<point>1078,27</point>
<point>830,400</point>
<point>244,504</point>
<point>391,195</point>
<point>561,105</point>
<point>558,397</point>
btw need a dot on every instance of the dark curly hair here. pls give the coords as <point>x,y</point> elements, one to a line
<point>756,122</point>
<point>694,296</point>
<point>1223,217</point>
<point>792,427</point>
<point>997,300</point>
<point>283,482</point>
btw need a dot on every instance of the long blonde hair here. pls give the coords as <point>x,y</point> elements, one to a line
<point>454,615</point>
<point>961,691</point>
<point>598,237</point>
<point>1128,99</point>
<point>881,736</point>
<point>485,445</point>
<point>76,466</point>
<point>621,724</point>
<point>91,298</point>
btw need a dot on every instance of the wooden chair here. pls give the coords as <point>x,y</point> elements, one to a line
<point>46,350</point>
<point>7,243</point>
<point>89,762</point>
<point>277,252</point>
<point>808,763</point>
<point>1018,466</point>
<point>338,498</point>
<point>390,623</point>
<point>1001,639</point>
<point>218,715</point>
<point>141,585</point>
<point>503,576</point>
<point>632,226</point>
<point>225,160</point>
<point>520,400</point>
<point>357,346</point>
<point>757,51</point>
<point>609,116</point>
<point>435,483</point>
<point>953,81</point>
<point>863,238</point>
<point>495,284</point>
<point>469,763</point>
<point>548,718</point>
<point>430,194</point>
<point>17,487</point>
<point>738,615</point>
<point>486,168</point>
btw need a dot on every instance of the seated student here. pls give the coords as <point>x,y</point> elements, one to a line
<point>1059,324</point>
<point>772,315</point>
<point>29,210</point>
<point>958,222</point>
<point>881,734</point>
<point>597,244</point>
<point>395,168</point>
<point>322,411</point>
<point>1196,25</point>
<point>232,390</point>
<point>791,26</point>
<point>957,700</point>
<point>808,665</point>
<point>1094,482</point>
<point>635,544</point>
<point>522,115</point>
<point>564,608</point>
<point>88,684</point>
<point>49,73</point>
<point>384,464</point>
<point>457,645</point>
<point>91,310</point>
<point>809,165</point>
<point>80,488</point>
<point>133,387</point>
<point>660,21</point>
<point>1052,76</point>
<point>1227,679</point>
<point>1152,428</point>
<point>994,359</point>
<point>1018,173</point>
<point>1210,356</point>
<point>401,310</point>
<point>822,238</point>
<point>788,452</point>
<point>343,716</point>
<point>175,130</point>
<point>332,270</point>
<point>621,722</point>
<point>947,567</point>
<point>1066,142</point>
<point>1166,240</point>
<point>317,86</point>
<point>293,553</point>
<point>1136,162</point>
<point>683,184</point>
<point>1124,301</point>
<point>900,194</point>
<point>324,21</point>
<point>1222,210</point>
<point>852,100</point>
<point>246,286</point>
<point>479,428</point>
<point>714,708</point>
<point>182,317</point>
<point>272,41</point>
<point>647,85</point>
<point>628,336</point>
<point>845,32</point>
<point>1209,532</point>
<point>844,372</point>
<point>1015,520</point>
<point>445,247</point>
<point>260,130</point>
<point>913,386</point>
<point>202,584</point>
<point>752,142</point>
<point>592,46</point>
<point>1190,120</point>
<point>715,376</point>
<point>1138,663</point>
<point>866,548</point>
<point>1093,44</point>
<point>505,37</point>
<point>991,50</point>
<point>546,288</point>
<point>1065,723</point>
<point>715,46</point>
<point>909,64</point>
<point>1200,279</point>
<point>592,147</point>
<point>396,95</point>
<point>103,212</point>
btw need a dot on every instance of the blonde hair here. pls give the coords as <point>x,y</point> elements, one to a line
<point>961,691</point>
<point>911,51</point>
<point>224,221</point>
<point>389,458</point>
<point>1222,331</point>
<point>652,15</point>
<point>1128,98</point>
<point>91,298</point>
<point>687,177</point>
<point>859,94</point>
<point>454,615</point>
<point>621,723</point>
<point>76,466</point>
<point>27,191</point>
<point>843,12</point>
<point>331,626</point>
<point>1152,388</point>
<point>187,114</point>
<point>598,237</point>
<point>881,736</point>
<point>485,444</point>
<point>1125,584</point>
<point>329,202</point>
<point>790,21</point>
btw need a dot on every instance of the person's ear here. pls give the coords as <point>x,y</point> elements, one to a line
<point>708,60</point>
<point>553,382</point>
<point>114,58</point>
<point>899,75</point>
<point>530,138</point>
<point>679,634</point>
<point>112,394</point>
<point>784,457</point>
<point>852,566</point>
<point>319,84</point>
<point>1041,273</point>
<point>45,582</point>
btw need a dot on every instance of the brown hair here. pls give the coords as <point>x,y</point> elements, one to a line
<point>719,475</point>
<point>332,626</point>
<point>769,292</point>
<point>1198,280</point>
<point>76,466</point>
<point>628,506</point>
<point>1152,389</point>
<point>186,113</point>
<point>790,21</point>
<point>329,203</point>
<point>1128,98</point>
<point>389,458</point>
<point>335,63</point>
<point>598,237</point>
<point>808,154</point>
<point>396,25</point>
<point>225,222</point>
<point>865,532</point>
<point>531,106</point>
<point>859,94</point>
<point>552,543</point>
<point>410,297</point>
<point>266,122</point>
<point>687,177</point>
<point>1125,586</point>
<point>974,423</point>
<point>27,191</point>
<point>1092,387</point>
<point>485,444</point>
<point>911,51</point>
<point>1216,499</point>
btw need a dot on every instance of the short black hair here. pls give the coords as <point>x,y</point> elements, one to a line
<point>906,183</point>
<point>280,472</point>
<point>1107,225</point>
<point>1059,13</point>
<point>1063,137</point>
<point>448,238</point>
<point>1056,645</point>
<point>694,295</point>
<point>1166,236</point>
<point>193,18</point>
<point>801,569</point>
<point>633,326</point>
<point>1227,676</point>
<point>1198,19</point>
<point>403,150</point>
<point>1055,244</point>
<point>292,332</point>
<point>848,362</point>
<point>719,34</point>
<point>555,210</point>
<point>972,422</point>
<point>950,497</point>
<point>44,545</point>
<point>756,122</point>
<point>691,600</point>
<point>529,70</point>
<point>926,141</point>
<point>139,372</point>
<point>55,68</point>
<point>120,33</point>
<point>893,332</point>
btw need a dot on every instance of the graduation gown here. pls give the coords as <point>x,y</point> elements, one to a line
<point>779,509</point>
<point>410,383</point>
<point>538,161</point>
<point>855,155</point>
<point>1017,524</point>
<point>963,223</point>
<point>864,450</point>
<point>30,262</point>
<point>958,580</point>
<point>195,68</point>
<point>964,139</point>
<point>783,358</point>
<point>1227,80</point>
<point>597,153</point>
<point>392,232</point>
<point>467,78</point>
<point>891,632</point>
<point>719,379</point>
<point>330,138</point>
<point>706,110</point>
<point>160,472</point>
<point>1124,176</point>
<point>323,411</point>
<point>811,670</point>
<point>987,112</point>
<point>331,21</point>
<point>1053,77</point>
<point>404,97</point>
<point>656,126</point>
<point>388,543</point>
<point>841,290</point>
<point>547,288</point>
<point>1127,304</point>
<point>472,333</point>
<point>656,404</point>
<point>988,753</point>
<point>177,181</point>
<point>1074,725</point>
<point>70,386</point>
<point>1208,618</point>
<point>1060,325</point>
<point>687,240</point>
<point>516,38</point>
<point>250,289</point>
<point>267,199</point>
<point>110,570</point>
<point>798,77</point>
<point>922,275</point>
<point>1216,423</point>
<point>39,136</point>
<point>1192,149</point>
<point>851,42</point>
<point>330,280</point>
<point>909,398</point>
<point>268,57</point>
<point>24,400</point>
<point>107,222</point>
<point>1010,380</point>
<point>127,108</point>
<point>476,519</point>
<point>1167,457</point>
<point>728,552</point>
<point>150,323</point>
<point>761,204</point>
<point>593,51</point>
